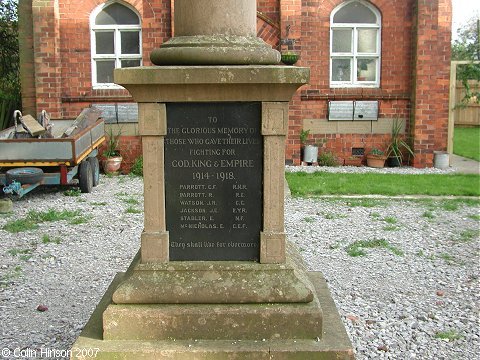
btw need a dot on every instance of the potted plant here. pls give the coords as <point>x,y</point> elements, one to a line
<point>353,161</point>
<point>397,146</point>
<point>303,142</point>
<point>308,152</point>
<point>111,156</point>
<point>289,57</point>
<point>376,158</point>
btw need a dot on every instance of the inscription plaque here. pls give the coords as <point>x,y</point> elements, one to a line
<point>366,111</point>
<point>340,110</point>
<point>127,113</point>
<point>109,112</point>
<point>353,110</point>
<point>213,180</point>
<point>118,113</point>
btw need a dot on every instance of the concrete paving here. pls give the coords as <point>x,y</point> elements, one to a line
<point>464,165</point>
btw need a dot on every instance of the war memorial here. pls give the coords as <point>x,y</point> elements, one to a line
<point>215,277</point>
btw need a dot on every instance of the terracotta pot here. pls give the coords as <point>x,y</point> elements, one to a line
<point>376,161</point>
<point>357,161</point>
<point>112,165</point>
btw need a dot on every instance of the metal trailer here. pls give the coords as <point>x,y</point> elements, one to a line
<point>30,162</point>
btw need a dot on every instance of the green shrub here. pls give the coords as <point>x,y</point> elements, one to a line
<point>327,159</point>
<point>7,106</point>
<point>9,62</point>
<point>137,167</point>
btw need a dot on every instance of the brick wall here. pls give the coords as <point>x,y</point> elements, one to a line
<point>432,76</point>
<point>268,31</point>
<point>130,148</point>
<point>46,47</point>
<point>413,42</point>
<point>268,21</point>
<point>27,61</point>
<point>270,9</point>
<point>76,53</point>
<point>310,22</point>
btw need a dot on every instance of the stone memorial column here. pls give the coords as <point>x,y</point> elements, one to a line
<point>215,277</point>
<point>216,32</point>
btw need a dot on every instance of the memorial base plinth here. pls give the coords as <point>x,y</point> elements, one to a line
<point>215,282</point>
<point>242,309</point>
<point>333,342</point>
<point>213,321</point>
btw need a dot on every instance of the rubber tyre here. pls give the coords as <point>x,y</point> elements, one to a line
<point>95,170</point>
<point>85,177</point>
<point>25,175</point>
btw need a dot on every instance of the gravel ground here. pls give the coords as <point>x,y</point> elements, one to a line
<point>400,297</point>
<point>396,300</point>
<point>69,277</point>
<point>364,169</point>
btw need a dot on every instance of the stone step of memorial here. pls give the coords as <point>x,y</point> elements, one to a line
<point>332,344</point>
<point>220,282</point>
<point>213,322</point>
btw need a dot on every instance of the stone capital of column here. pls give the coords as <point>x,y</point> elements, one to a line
<point>220,32</point>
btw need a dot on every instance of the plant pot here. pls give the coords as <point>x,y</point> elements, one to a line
<point>376,161</point>
<point>441,160</point>
<point>112,165</point>
<point>394,161</point>
<point>310,154</point>
<point>289,59</point>
<point>353,161</point>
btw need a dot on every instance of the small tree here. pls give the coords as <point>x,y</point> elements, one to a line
<point>467,47</point>
<point>9,61</point>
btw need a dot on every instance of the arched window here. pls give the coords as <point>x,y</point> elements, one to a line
<point>355,45</point>
<point>116,41</point>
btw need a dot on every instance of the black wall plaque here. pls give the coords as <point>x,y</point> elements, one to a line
<point>213,180</point>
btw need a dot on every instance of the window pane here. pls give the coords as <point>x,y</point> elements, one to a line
<point>130,63</point>
<point>342,41</point>
<point>367,40</point>
<point>367,69</point>
<point>104,42</point>
<point>130,42</point>
<point>355,12</point>
<point>105,71</point>
<point>117,14</point>
<point>341,69</point>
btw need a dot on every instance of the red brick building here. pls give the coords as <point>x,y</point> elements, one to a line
<point>390,55</point>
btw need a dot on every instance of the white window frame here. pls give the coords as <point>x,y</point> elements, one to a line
<point>354,55</point>
<point>117,56</point>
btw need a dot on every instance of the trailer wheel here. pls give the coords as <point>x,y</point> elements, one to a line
<point>25,175</point>
<point>85,177</point>
<point>95,169</point>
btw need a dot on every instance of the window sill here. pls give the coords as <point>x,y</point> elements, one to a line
<point>354,86</point>
<point>107,87</point>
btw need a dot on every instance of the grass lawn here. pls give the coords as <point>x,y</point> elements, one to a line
<point>322,183</point>
<point>466,142</point>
